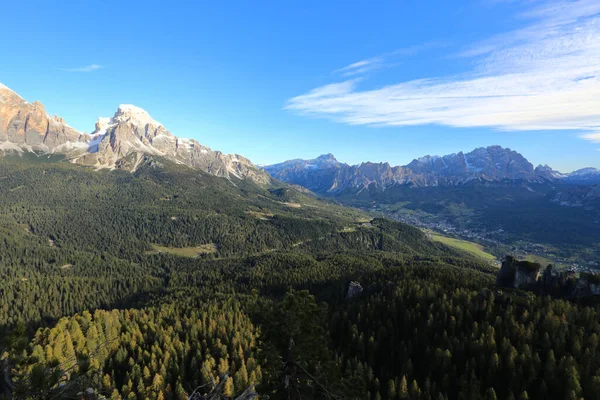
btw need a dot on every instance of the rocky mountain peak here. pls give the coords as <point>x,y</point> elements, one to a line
<point>326,157</point>
<point>548,172</point>
<point>121,141</point>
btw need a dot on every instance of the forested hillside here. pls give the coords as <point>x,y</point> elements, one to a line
<point>168,281</point>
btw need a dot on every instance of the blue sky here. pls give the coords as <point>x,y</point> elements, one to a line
<point>367,81</point>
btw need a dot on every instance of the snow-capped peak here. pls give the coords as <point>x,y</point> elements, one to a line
<point>585,172</point>
<point>129,112</point>
<point>125,113</point>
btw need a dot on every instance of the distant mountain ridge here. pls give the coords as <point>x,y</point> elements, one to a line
<point>326,175</point>
<point>121,141</point>
<point>584,176</point>
<point>485,165</point>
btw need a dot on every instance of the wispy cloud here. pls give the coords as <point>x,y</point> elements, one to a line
<point>87,68</point>
<point>386,60</point>
<point>361,67</point>
<point>545,75</point>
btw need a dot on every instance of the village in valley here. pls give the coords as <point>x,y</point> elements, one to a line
<point>496,241</point>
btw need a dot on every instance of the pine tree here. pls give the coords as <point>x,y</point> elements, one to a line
<point>115,395</point>
<point>524,395</point>
<point>391,391</point>
<point>403,389</point>
<point>228,388</point>
<point>490,394</point>
<point>106,382</point>
<point>415,392</point>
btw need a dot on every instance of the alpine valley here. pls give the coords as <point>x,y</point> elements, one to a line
<point>493,196</point>
<point>135,264</point>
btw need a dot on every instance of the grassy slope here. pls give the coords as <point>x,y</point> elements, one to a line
<point>193,251</point>
<point>470,247</point>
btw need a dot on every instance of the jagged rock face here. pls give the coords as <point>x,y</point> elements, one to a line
<point>26,126</point>
<point>526,276</point>
<point>518,274</point>
<point>326,175</point>
<point>130,133</point>
<point>492,163</point>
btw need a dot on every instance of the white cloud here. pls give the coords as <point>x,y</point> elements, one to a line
<point>594,137</point>
<point>543,76</point>
<point>87,68</point>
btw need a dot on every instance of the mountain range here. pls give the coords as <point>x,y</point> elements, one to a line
<point>120,142</point>
<point>131,135</point>
<point>485,165</point>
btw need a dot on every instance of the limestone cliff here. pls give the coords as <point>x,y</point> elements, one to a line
<point>518,274</point>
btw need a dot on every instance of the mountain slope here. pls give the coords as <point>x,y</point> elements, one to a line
<point>161,203</point>
<point>579,196</point>
<point>121,141</point>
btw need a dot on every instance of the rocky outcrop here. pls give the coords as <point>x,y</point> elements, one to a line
<point>566,284</point>
<point>354,289</point>
<point>121,141</point>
